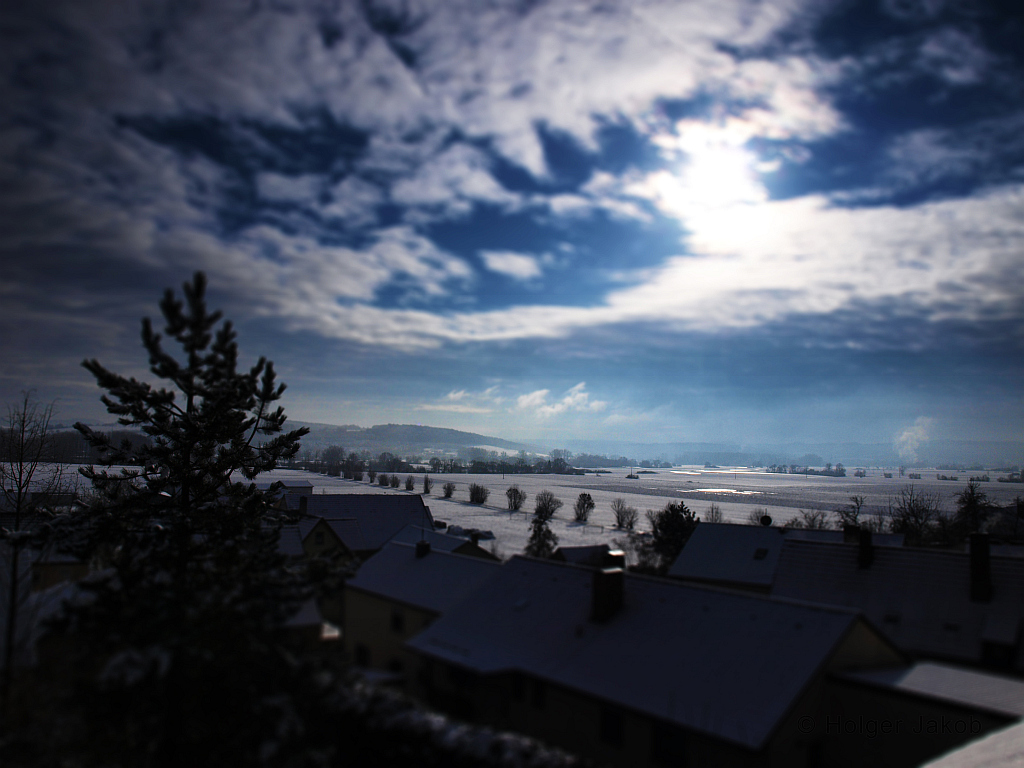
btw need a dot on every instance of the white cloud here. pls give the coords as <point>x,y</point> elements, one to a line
<point>517,265</point>
<point>575,399</point>
<point>300,189</point>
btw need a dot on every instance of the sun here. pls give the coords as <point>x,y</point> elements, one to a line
<point>714,169</point>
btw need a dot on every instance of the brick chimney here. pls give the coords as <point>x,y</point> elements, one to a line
<point>608,589</point>
<point>422,549</point>
<point>981,568</point>
<point>865,549</point>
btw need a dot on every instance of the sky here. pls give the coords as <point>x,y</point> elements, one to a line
<point>753,222</point>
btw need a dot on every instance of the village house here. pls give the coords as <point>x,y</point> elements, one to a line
<point>962,607</point>
<point>357,523</point>
<point>401,590</point>
<point>747,556</point>
<point>638,671</point>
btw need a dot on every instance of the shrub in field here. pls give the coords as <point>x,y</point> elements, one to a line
<point>478,494</point>
<point>409,483</point>
<point>546,504</point>
<point>516,498</point>
<point>449,489</point>
<point>357,474</point>
<point>383,479</point>
<point>583,507</point>
<point>625,515</point>
<point>372,474</point>
<point>427,484</point>
<point>394,481</point>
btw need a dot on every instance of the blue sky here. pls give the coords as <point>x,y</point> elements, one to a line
<point>649,221</point>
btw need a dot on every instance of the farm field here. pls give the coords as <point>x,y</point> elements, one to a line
<point>737,491</point>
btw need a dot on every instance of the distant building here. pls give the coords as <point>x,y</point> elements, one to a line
<point>361,523</point>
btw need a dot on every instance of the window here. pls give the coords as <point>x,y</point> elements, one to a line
<point>760,553</point>
<point>397,621</point>
<point>318,537</point>
<point>610,727</point>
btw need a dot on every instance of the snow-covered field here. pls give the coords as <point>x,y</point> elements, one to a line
<point>737,491</point>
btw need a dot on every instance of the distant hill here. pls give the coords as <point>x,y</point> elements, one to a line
<point>401,439</point>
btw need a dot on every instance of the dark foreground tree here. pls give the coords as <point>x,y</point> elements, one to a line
<point>179,639</point>
<point>671,528</point>
<point>542,541</point>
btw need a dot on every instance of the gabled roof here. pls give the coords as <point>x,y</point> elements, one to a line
<point>433,582</point>
<point>363,522</point>
<point>440,542</point>
<point>966,687</point>
<point>920,598</point>
<point>590,554</point>
<point>747,555</point>
<point>730,554</point>
<point>724,663</point>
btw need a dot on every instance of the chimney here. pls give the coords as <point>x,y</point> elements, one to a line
<point>422,549</point>
<point>303,504</point>
<point>851,534</point>
<point>474,536</point>
<point>608,588</point>
<point>865,549</point>
<point>615,558</point>
<point>981,568</point>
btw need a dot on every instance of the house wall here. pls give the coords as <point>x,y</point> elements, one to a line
<point>574,721</point>
<point>375,629</point>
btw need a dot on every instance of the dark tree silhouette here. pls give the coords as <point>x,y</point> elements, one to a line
<point>181,635</point>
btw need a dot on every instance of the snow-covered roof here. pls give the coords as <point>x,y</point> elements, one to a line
<point>589,554</point>
<point>723,663</point>
<point>1001,749</point>
<point>748,555</point>
<point>920,598</point>
<point>433,582</point>
<point>967,687</point>
<point>362,521</point>
<point>439,542</point>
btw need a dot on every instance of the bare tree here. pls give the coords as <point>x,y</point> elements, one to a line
<point>516,498</point>
<point>625,515</point>
<point>850,514</point>
<point>448,489</point>
<point>32,477</point>
<point>410,484</point>
<point>478,493</point>
<point>812,520</point>
<point>546,504</point>
<point>913,514</point>
<point>713,515</point>
<point>427,484</point>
